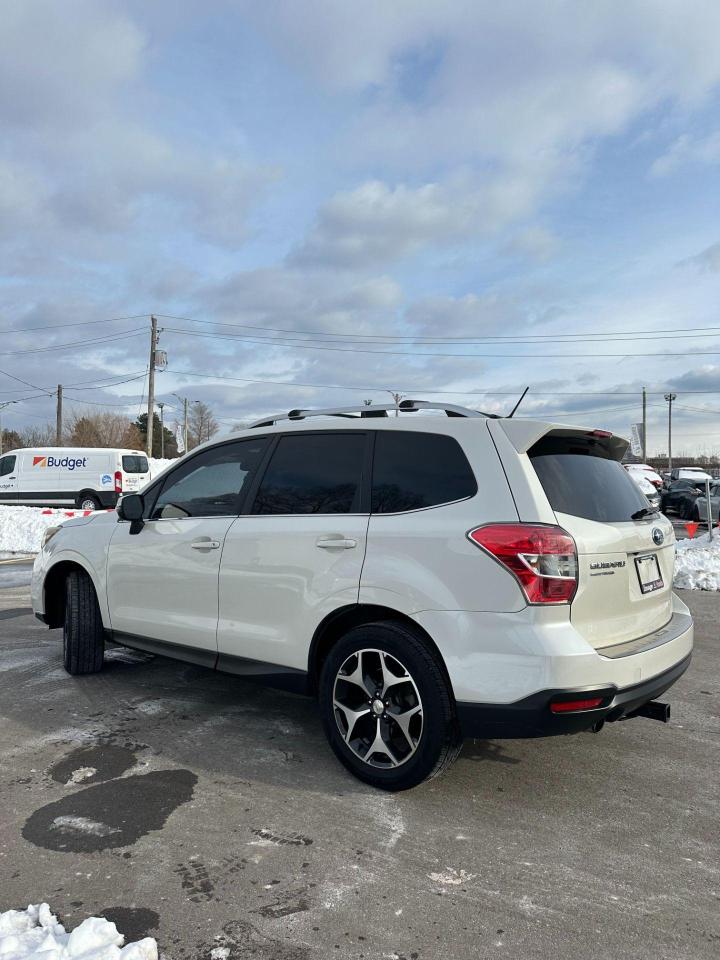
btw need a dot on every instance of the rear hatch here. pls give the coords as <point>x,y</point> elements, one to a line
<point>625,556</point>
<point>136,471</point>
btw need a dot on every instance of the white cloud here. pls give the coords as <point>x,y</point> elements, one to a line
<point>687,151</point>
<point>708,260</point>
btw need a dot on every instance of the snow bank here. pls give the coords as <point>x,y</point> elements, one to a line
<point>21,529</point>
<point>35,932</point>
<point>157,465</point>
<point>697,563</point>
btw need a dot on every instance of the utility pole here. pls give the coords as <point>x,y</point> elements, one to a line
<point>151,388</point>
<point>644,436</point>
<point>162,431</point>
<point>59,418</point>
<point>185,423</point>
<point>670,397</point>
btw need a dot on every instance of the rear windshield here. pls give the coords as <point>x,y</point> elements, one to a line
<point>134,464</point>
<point>582,479</point>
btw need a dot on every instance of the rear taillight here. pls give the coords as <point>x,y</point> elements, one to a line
<point>543,558</point>
<point>118,481</point>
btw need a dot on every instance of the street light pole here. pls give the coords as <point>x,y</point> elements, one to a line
<point>670,397</point>
<point>162,432</point>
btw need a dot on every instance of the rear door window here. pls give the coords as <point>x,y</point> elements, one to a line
<point>313,473</point>
<point>581,478</point>
<point>134,464</point>
<point>414,470</point>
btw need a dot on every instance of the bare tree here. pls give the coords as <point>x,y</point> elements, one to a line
<point>202,424</point>
<point>104,430</point>
<point>38,436</point>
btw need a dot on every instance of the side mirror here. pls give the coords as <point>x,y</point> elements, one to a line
<point>131,507</point>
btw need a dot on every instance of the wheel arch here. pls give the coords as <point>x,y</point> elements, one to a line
<point>87,492</point>
<point>336,624</point>
<point>54,590</point>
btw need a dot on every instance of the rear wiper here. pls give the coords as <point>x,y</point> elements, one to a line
<point>644,512</point>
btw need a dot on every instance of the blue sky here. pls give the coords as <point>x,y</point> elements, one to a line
<point>404,170</point>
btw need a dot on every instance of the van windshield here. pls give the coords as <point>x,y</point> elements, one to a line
<point>135,464</point>
<point>581,478</point>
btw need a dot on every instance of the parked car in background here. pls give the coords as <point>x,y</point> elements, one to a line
<point>679,497</point>
<point>700,512</point>
<point>696,474</point>
<point>85,477</point>
<point>427,577</point>
<point>647,488</point>
<point>646,471</point>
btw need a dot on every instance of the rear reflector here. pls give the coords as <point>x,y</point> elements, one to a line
<point>541,557</point>
<point>570,706</point>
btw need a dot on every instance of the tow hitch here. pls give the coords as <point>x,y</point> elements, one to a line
<point>653,710</point>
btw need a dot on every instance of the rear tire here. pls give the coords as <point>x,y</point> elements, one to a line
<point>418,692</point>
<point>83,632</point>
<point>87,501</point>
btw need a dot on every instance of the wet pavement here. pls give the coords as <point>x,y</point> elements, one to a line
<point>209,813</point>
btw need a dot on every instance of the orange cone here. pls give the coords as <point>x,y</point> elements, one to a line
<point>691,528</point>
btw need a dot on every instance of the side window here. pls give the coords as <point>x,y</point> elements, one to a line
<point>7,465</point>
<point>313,473</point>
<point>415,470</point>
<point>210,484</point>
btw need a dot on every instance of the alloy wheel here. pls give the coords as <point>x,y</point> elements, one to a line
<point>378,709</point>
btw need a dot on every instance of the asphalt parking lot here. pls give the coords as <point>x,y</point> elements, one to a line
<point>209,813</point>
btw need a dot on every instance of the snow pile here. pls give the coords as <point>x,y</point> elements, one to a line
<point>35,932</point>
<point>21,529</point>
<point>157,465</point>
<point>697,563</point>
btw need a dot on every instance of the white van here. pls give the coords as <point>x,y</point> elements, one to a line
<point>85,477</point>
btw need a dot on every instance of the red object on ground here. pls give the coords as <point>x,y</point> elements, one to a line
<point>691,528</point>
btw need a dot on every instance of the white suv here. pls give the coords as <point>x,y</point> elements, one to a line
<point>428,577</point>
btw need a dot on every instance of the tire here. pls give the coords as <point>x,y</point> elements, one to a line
<point>86,501</point>
<point>83,632</point>
<point>417,690</point>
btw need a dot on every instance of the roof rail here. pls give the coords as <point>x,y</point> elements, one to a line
<point>374,410</point>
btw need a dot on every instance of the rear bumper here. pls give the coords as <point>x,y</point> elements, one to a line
<point>532,717</point>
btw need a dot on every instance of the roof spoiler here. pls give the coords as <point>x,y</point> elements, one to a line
<point>523,434</point>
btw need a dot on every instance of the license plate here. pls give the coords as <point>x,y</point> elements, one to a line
<point>648,571</point>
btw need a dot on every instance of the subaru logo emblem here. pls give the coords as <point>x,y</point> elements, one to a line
<point>658,536</point>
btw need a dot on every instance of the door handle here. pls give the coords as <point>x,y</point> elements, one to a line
<point>335,543</point>
<point>205,544</point>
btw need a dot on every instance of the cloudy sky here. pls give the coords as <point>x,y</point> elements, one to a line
<point>490,195</point>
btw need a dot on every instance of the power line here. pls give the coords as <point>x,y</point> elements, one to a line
<point>277,342</point>
<point>652,334</point>
<point>75,323</point>
<point>74,343</point>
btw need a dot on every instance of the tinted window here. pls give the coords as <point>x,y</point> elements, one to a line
<point>7,465</point>
<point>210,484</point>
<point>134,464</point>
<point>414,470</point>
<point>318,473</point>
<point>581,478</point>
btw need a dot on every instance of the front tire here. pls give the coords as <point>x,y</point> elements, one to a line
<point>83,632</point>
<point>387,708</point>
